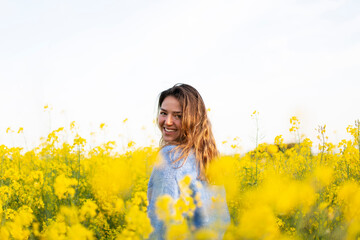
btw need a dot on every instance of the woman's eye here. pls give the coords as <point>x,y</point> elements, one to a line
<point>162,113</point>
<point>178,116</point>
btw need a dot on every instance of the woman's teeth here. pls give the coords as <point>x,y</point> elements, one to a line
<point>169,130</point>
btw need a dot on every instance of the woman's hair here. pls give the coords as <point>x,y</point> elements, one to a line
<point>195,132</point>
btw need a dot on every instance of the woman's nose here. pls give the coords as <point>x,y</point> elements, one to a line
<point>169,120</point>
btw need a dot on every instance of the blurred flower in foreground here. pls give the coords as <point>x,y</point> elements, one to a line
<point>64,186</point>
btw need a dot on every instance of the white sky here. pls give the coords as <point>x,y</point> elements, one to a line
<point>104,61</point>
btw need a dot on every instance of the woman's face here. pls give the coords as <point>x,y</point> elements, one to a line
<point>170,119</point>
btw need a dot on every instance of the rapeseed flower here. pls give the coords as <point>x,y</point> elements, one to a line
<point>65,189</point>
<point>64,186</point>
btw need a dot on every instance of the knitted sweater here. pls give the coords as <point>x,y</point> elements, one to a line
<point>211,213</point>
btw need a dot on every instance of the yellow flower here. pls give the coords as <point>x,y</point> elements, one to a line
<point>349,195</point>
<point>282,194</point>
<point>88,210</point>
<point>102,125</point>
<point>164,205</point>
<point>20,130</point>
<point>8,130</point>
<point>272,149</point>
<point>178,231</point>
<point>131,144</point>
<point>119,205</point>
<point>79,140</point>
<point>258,223</point>
<point>323,175</point>
<point>4,233</point>
<point>112,179</point>
<point>63,186</point>
<point>72,125</point>
<point>205,234</point>
<point>138,222</point>
<point>79,232</point>
<point>225,171</point>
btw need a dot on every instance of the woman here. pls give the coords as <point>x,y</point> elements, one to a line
<point>187,148</point>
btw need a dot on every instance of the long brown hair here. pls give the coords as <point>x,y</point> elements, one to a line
<point>195,133</point>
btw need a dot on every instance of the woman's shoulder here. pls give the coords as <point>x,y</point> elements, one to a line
<point>167,148</point>
<point>167,152</point>
<point>171,153</point>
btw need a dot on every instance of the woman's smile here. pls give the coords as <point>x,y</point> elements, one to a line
<point>169,130</point>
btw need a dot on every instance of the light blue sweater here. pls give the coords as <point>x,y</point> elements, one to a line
<point>165,179</point>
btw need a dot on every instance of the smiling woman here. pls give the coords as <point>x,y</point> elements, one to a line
<point>187,149</point>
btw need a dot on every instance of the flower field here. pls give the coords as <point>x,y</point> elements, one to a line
<point>63,189</point>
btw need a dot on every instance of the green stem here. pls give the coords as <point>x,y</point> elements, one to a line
<point>2,174</point>
<point>78,174</point>
<point>256,150</point>
<point>357,123</point>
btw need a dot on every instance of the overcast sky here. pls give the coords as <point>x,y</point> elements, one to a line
<point>99,62</point>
